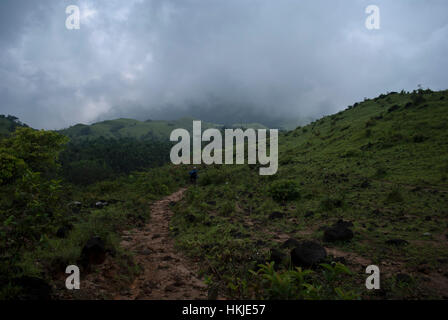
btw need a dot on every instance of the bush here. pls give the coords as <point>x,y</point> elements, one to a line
<point>394,196</point>
<point>331,203</point>
<point>10,167</point>
<point>417,98</point>
<point>284,190</point>
<point>212,176</point>
<point>418,138</point>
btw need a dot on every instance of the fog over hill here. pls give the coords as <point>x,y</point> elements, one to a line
<point>221,61</point>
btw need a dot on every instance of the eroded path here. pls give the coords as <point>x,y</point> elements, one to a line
<point>167,274</point>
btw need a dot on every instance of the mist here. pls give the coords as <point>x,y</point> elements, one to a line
<point>226,61</point>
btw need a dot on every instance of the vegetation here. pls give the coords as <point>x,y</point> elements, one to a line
<point>140,130</point>
<point>388,183</point>
<point>381,164</point>
<point>88,161</point>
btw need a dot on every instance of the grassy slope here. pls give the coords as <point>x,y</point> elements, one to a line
<point>382,165</point>
<point>159,129</point>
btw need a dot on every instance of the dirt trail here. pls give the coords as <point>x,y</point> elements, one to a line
<point>166,274</point>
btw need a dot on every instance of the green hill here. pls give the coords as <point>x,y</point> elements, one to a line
<point>381,164</point>
<point>367,186</point>
<point>145,130</point>
<point>8,124</point>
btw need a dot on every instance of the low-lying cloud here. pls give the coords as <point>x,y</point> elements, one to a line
<point>225,61</point>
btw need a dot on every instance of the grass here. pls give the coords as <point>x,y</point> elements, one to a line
<point>130,128</point>
<point>129,200</point>
<point>387,182</point>
<point>381,163</point>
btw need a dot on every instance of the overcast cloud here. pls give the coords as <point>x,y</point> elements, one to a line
<point>219,60</point>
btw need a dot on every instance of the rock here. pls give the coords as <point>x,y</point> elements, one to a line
<point>397,242</point>
<point>427,234</point>
<point>32,288</point>
<point>290,243</point>
<point>101,204</point>
<point>276,215</point>
<point>339,232</point>
<point>93,252</point>
<point>75,206</point>
<point>277,256</point>
<point>63,231</point>
<point>307,254</point>
<point>342,223</point>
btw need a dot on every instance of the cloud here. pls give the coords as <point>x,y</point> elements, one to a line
<point>222,61</point>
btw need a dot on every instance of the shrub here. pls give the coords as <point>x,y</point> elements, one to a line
<point>212,176</point>
<point>417,98</point>
<point>394,196</point>
<point>284,190</point>
<point>418,138</point>
<point>329,203</point>
<point>380,172</point>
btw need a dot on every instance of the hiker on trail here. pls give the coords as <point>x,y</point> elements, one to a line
<point>193,175</point>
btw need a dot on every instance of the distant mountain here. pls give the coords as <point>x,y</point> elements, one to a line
<point>142,130</point>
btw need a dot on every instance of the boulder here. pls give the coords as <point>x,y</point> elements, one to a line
<point>340,231</point>
<point>290,243</point>
<point>342,223</point>
<point>93,252</point>
<point>101,204</point>
<point>307,254</point>
<point>75,206</point>
<point>32,288</point>
<point>277,256</point>
<point>63,231</point>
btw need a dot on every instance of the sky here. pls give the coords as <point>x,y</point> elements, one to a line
<point>225,61</point>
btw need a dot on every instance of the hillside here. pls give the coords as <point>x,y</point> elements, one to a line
<point>144,130</point>
<point>380,165</point>
<point>8,124</point>
<point>367,186</point>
